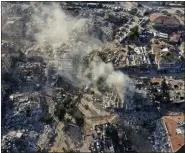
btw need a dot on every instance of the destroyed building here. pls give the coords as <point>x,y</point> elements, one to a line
<point>31,72</point>
<point>169,134</point>
<point>27,131</point>
<point>9,30</point>
<point>167,57</point>
<point>174,126</point>
<point>174,88</point>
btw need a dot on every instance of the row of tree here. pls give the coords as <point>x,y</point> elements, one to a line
<point>134,32</point>
<point>66,107</point>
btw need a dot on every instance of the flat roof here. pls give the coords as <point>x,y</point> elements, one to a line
<point>176,140</point>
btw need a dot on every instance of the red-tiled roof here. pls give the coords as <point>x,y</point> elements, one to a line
<point>175,37</point>
<point>177,141</point>
<point>160,19</point>
<point>154,17</point>
<point>154,80</point>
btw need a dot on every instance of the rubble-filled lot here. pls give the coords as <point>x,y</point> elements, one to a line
<point>24,127</point>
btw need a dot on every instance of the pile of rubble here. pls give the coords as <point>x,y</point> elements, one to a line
<point>111,100</point>
<point>31,72</point>
<point>23,125</point>
<point>46,137</point>
<point>159,139</point>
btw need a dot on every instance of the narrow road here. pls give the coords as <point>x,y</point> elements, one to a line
<point>155,74</point>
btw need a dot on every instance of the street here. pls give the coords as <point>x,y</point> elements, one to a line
<point>156,74</point>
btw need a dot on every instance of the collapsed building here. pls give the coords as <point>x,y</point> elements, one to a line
<point>167,57</point>
<point>24,123</point>
<point>176,90</point>
<point>174,87</point>
<point>31,73</point>
<point>169,134</point>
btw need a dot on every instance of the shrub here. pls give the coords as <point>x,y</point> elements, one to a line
<point>79,121</point>
<point>70,111</point>
<point>48,119</point>
<point>60,112</point>
<point>67,101</point>
<point>86,107</point>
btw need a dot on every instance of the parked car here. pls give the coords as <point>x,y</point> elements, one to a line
<point>127,146</point>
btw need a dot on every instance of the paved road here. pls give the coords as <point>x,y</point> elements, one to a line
<point>156,74</point>
<point>60,139</point>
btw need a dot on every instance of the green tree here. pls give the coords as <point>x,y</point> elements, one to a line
<point>70,111</point>
<point>48,119</point>
<point>68,120</point>
<point>134,11</point>
<point>8,78</point>
<point>14,61</point>
<point>156,41</point>
<point>135,29</point>
<point>70,151</point>
<point>86,107</point>
<point>134,32</point>
<point>67,102</point>
<point>100,81</point>
<point>79,121</point>
<point>131,35</point>
<point>60,112</point>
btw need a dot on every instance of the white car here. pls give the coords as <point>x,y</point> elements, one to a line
<point>111,149</point>
<point>128,149</point>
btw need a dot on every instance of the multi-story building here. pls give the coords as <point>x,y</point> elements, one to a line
<point>5,60</point>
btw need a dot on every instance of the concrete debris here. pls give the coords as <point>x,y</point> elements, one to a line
<point>75,56</point>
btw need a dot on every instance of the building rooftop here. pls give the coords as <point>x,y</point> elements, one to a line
<point>157,80</point>
<point>162,19</point>
<point>177,96</point>
<point>175,38</point>
<point>173,124</point>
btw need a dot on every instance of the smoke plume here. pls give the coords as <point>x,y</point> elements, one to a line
<point>66,40</point>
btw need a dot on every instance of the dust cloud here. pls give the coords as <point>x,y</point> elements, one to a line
<point>66,40</point>
<point>115,79</point>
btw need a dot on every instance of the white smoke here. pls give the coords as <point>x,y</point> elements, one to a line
<point>58,33</point>
<point>56,28</point>
<point>113,78</point>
